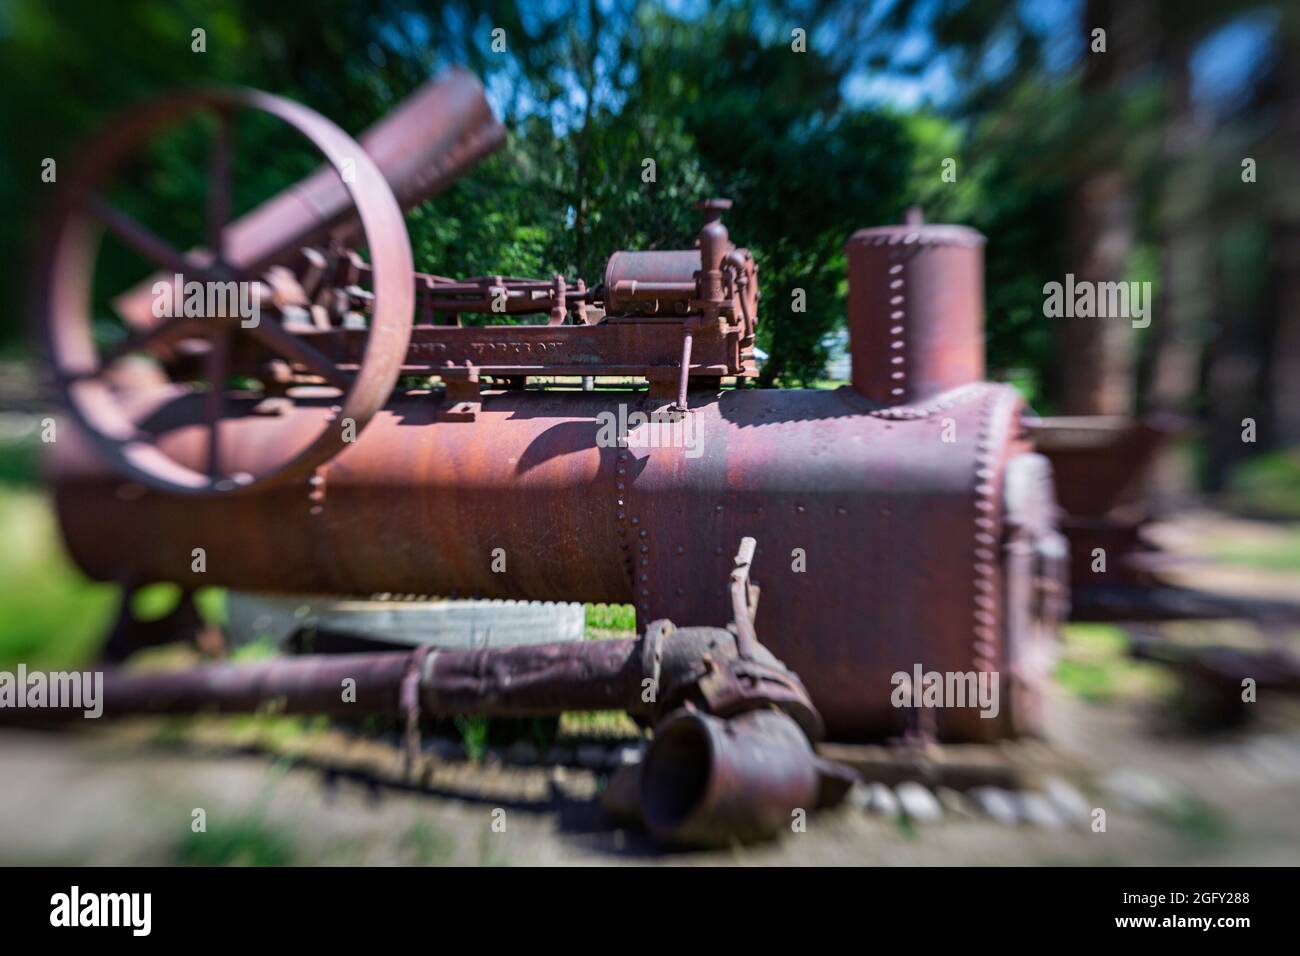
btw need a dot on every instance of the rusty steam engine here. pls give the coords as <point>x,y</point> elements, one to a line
<point>903,520</point>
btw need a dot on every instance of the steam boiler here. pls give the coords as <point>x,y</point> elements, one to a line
<point>373,429</point>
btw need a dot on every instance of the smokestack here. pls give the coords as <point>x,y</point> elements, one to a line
<point>915,310</point>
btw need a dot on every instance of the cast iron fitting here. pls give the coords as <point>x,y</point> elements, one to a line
<point>706,781</point>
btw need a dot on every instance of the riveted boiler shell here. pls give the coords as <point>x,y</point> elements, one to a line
<point>869,523</point>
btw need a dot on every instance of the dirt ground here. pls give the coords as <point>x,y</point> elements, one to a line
<point>125,796</point>
<point>128,794</point>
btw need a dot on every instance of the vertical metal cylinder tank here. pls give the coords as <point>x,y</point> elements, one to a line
<point>915,310</point>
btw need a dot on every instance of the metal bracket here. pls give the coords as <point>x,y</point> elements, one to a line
<point>409,702</point>
<point>744,599</point>
<point>463,397</point>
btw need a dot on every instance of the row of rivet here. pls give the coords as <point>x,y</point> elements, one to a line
<point>895,238</point>
<point>987,526</point>
<point>635,543</point>
<point>897,329</point>
<point>943,403</point>
<point>317,480</point>
<point>316,494</point>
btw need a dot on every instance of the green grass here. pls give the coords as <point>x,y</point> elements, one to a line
<point>263,730</point>
<point>473,735</point>
<point>604,618</point>
<point>1282,554</point>
<point>242,839</point>
<point>1198,821</point>
<point>51,616</point>
<point>479,733</point>
<point>1269,484</point>
<point>1026,382</point>
<point>426,845</point>
<point>1095,665</point>
<point>598,723</point>
<point>245,841</point>
<point>154,601</point>
<point>19,460</point>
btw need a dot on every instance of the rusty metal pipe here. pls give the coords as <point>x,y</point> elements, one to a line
<point>434,136</point>
<point>705,781</point>
<point>312,684</point>
<point>708,781</point>
<point>684,381</point>
<point>633,289</point>
<point>512,681</point>
<point>424,144</point>
<point>530,680</point>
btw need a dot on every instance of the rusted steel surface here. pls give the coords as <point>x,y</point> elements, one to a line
<point>1223,667</point>
<point>651,281</point>
<point>915,310</point>
<point>290,685</point>
<point>423,145</point>
<point>615,347</point>
<point>701,669</point>
<point>434,136</point>
<point>1102,467</point>
<point>535,679</point>
<point>731,760</point>
<point>878,503</point>
<point>1102,464</point>
<point>707,781</point>
<point>902,522</point>
<point>540,679</point>
<point>62,303</point>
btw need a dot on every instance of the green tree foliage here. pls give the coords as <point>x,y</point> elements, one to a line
<point>716,97</point>
<point>773,133</point>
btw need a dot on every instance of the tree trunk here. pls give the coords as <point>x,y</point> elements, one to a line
<point>1097,361</point>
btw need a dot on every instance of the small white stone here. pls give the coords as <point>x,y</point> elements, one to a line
<point>1038,810</point>
<point>882,800</point>
<point>1139,790</point>
<point>955,803</point>
<point>999,804</point>
<point>918,802</point>
<point>1067,799</point>
<point>859,796</point>
<point>1274,757</point>
<point>627,754</point>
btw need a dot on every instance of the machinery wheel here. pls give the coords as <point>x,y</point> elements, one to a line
<point>113,409</point>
